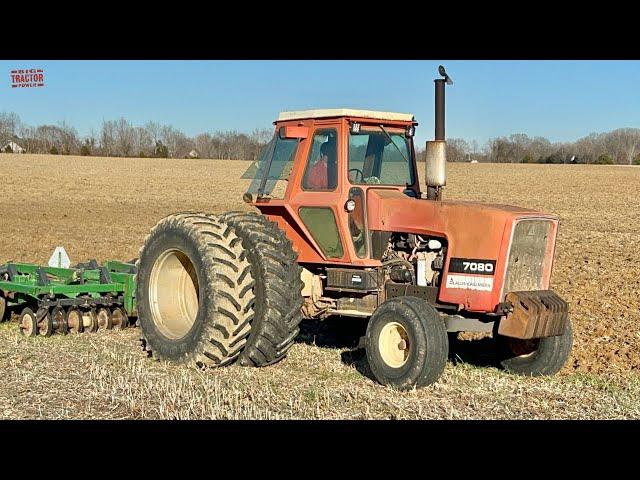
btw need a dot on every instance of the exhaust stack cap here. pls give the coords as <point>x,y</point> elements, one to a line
<point>443,73</point>
<point>435,166</point>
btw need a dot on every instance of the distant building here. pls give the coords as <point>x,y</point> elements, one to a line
<point>11,147</point>
<point>194,154</point>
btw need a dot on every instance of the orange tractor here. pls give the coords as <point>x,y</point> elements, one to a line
<point>342,228</point>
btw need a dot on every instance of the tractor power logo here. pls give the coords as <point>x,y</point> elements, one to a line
<point>27,78</point>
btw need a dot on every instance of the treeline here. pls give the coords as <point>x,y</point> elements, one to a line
<point>621,146</point>
<point>119,138</point>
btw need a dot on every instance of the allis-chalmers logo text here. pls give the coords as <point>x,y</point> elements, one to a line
<point>27,78</point>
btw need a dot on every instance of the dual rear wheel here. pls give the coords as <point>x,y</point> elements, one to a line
<point>215,289</point>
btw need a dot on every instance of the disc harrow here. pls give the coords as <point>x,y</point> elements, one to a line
<point>83,299</point>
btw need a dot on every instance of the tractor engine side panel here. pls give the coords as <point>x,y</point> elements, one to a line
<point>479,238</point>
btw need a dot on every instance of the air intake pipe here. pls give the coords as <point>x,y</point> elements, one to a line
<point>436,156</point>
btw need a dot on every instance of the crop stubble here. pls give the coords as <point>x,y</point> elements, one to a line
<point>103,208</point>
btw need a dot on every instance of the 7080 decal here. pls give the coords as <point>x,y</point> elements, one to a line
<point>476,266</point>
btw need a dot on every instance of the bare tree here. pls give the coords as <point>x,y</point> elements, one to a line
<point>142,141</point>
<point>203,145</point>
<point>124,137</point>
<point>457,150</point>
<point>68,139</point>
<point>623,144</point>
<point>154,130</point>
<point>10,125</point>
<point>108,138</point>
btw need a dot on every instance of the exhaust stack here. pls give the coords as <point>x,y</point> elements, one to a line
<point>436,161</point>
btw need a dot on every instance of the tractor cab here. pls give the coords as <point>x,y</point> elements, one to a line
<point>317,171</point>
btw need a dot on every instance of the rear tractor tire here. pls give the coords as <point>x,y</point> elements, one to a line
<point>406,343</point>
<point>277,290</point>
<point>535,357</point>
<point>194,291</point>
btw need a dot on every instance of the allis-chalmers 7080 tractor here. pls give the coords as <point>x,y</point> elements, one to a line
<point>343,229</point>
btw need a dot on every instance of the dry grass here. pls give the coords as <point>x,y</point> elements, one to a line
<point>103,208</point>
<point>105,375</point>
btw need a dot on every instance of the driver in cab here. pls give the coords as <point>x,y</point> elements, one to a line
<point>322,175</point>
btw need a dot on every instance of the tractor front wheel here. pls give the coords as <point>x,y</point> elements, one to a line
<point>406,343</point>
<point>535,357</point>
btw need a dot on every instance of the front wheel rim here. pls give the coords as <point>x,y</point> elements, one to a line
<point>523,348</point>
<point>394,344</point>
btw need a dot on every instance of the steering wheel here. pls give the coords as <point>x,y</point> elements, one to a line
<point>357,170</point>
<point>372,180</point>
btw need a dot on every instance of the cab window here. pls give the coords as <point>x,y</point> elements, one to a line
<point>378,156</point>
<point>321,171</point>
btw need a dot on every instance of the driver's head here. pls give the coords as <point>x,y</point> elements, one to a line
<point>328,150</point>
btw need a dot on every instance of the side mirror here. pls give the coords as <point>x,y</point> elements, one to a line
<point>293,132</point>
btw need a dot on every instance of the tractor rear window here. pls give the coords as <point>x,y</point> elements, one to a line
<point>278,158</point>
<point>378,156</point>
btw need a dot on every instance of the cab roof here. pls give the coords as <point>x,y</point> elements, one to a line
<point>345,112</point>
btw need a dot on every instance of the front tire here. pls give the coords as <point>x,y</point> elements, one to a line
<point>536,357</point>
<point>406,343</point>
<point>194,291</point>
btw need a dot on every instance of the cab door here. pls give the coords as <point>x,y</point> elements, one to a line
<point>320,196</point>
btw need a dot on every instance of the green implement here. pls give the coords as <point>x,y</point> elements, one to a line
<point>85,285</point>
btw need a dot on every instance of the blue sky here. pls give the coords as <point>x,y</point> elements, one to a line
<point>560,100</point>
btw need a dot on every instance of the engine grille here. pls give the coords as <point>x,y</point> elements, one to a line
<point>526,263</point>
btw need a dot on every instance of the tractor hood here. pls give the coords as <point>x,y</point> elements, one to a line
<point>470,222</point>
<point>474,232</point>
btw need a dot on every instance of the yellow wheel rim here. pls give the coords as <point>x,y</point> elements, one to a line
<point>173,294</point>
<point>394,345</point>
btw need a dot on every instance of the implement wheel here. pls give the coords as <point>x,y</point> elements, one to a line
<point>90,321</point>
<point>194,291</point>
<point>59,320</point>
<point>104,319</point>
<point>74,320</point>
<point>119,319</point>
<point>45,325</point>
<point>28,323</point>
